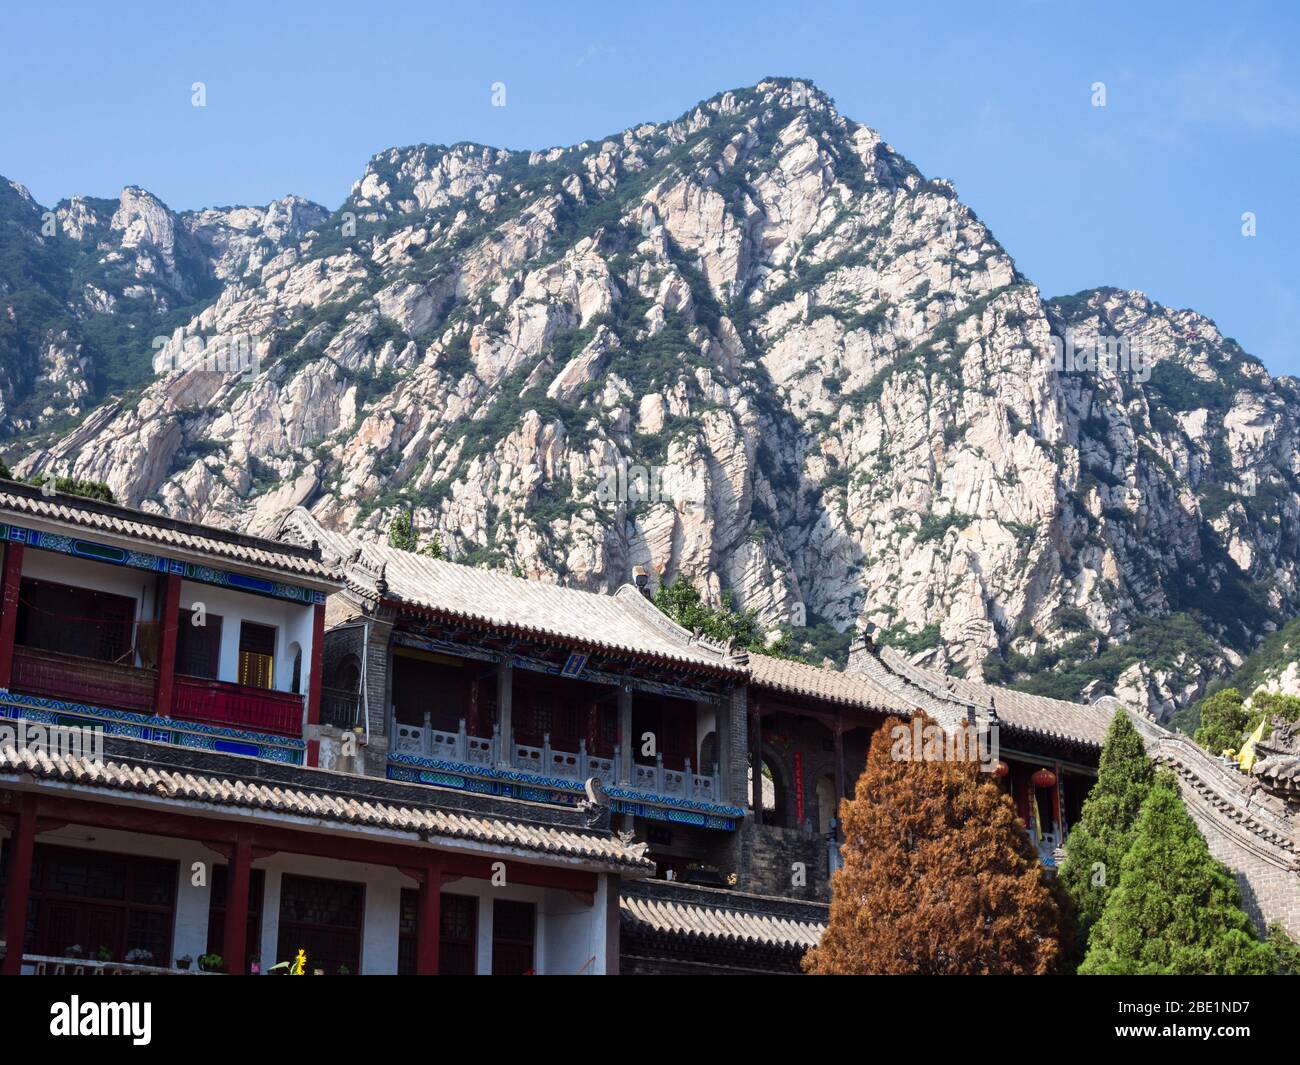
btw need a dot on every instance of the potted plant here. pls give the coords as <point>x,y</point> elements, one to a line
<point>210,963</point>
<point>344,971</point>
<point>74,951</point>
<point>139,956</point>
<point>183,962</point>
<point>103,954</point>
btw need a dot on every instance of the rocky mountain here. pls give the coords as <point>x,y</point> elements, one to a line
<point>753,346</point>
<point>89,285</point>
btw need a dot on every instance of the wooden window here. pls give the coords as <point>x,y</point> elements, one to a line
<point>322,917</point>
<point>217,916</point>
<point>76,621</point>
<point>93,899</point>
<point>198,647</point>
<point>514,929</point>
<point>458,943</point>
<point>256,655</point>
<point>438,688</point>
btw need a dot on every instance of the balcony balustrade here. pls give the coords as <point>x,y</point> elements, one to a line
<point>216,702</point>
<point>547,761</point>
<point>69,678</point>
<point>52,675</point>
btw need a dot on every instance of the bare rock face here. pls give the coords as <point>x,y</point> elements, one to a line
<point>753,347</point>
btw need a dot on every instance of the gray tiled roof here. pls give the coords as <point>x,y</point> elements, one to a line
<point>1085,723</point>
<point>594,847</point>
<point>693,921</point>
<point>624,622</point>
<point>884,680</point>
<point>21,502</point>
<point>830,685</point>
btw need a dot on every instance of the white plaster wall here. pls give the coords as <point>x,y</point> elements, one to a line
<point>292,622</point>
<point>570,931</point>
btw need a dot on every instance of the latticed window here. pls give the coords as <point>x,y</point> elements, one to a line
<point>76,621</point>
<point>96,899</point>
<point>458,945</point>
<point>322,917</point>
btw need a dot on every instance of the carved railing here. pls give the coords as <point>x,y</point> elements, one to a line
<point>547,761</point>
<point>216,702</point>
<point>680,783</point>
<point>51,675</point>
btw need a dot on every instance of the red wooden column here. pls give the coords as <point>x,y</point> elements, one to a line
<point>429,923</point>
<point>234,943</point>
<point>10,579</point>
<point>20,846</point>
<point>314,685</point>
<point>756,762</point>
<point>164,693</point>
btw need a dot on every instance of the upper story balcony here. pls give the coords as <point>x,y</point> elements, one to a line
<point>210,645</point>
<point>540,735</point>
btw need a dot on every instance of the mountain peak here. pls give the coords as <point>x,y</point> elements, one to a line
<point>751,347</point>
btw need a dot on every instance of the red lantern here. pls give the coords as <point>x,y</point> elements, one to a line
<point>1043,778</point>
<point>1002,770</point>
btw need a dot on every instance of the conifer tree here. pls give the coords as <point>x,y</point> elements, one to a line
<point>1175,911</point>
<point>1098,842</point>
<point>400,533</point>
<point>938,877</point>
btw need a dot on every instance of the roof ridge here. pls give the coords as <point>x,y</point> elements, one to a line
<point>162,521</point>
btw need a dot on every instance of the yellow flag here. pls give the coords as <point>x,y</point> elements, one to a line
<point>1246,758</point>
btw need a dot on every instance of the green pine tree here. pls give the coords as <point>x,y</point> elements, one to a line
<point>1223,722</point>
<point>400,534</point>
<point>1098,843</point>
<point>1287,949</point>
<point>1175,911</point>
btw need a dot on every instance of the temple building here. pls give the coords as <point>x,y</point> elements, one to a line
<point>200,823</point>
<point>400,764</point>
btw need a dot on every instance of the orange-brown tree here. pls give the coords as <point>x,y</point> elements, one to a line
<point>939,876</point>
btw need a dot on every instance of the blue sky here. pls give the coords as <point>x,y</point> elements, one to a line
<point>1201,123</point>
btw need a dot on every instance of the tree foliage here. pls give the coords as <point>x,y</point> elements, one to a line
<point>403,536</point>
<point>1223,721</point>
<point>682,602</point>
<point>1098,842</point>
<point>1286,949</point>
<point>1176,910</point>
<point>400,533</point>
<point>75,487</point>
<point>939,877</point>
